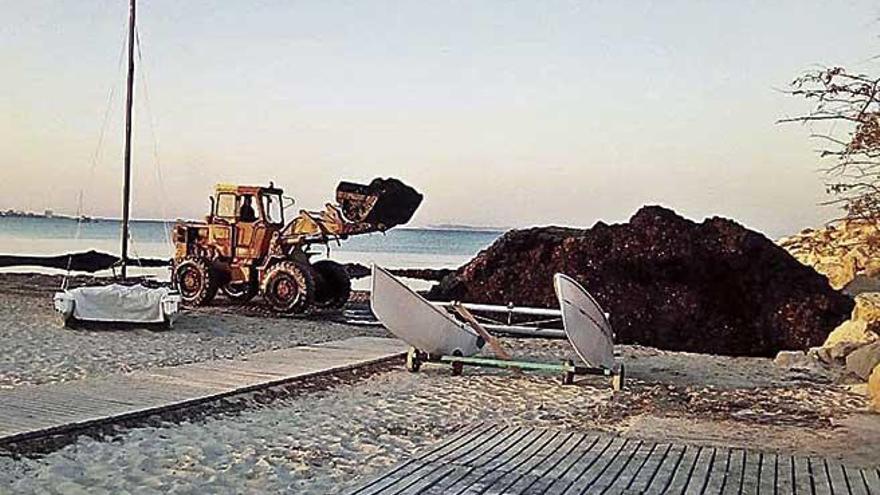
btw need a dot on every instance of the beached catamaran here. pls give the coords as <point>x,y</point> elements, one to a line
<point>455,338</point>
<point>121,302</point>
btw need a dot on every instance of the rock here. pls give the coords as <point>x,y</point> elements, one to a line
<point>838,272</point>
<point>874,388</point>
<point>852,331</point>
<point>863,360</point>
<point>821,354</point>
<point>867,307</point>
<point>841,350</point>
<point>791,359</point>
<point>841,251</point>
<point>713,287</point>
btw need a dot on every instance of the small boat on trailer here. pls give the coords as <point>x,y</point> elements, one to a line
<point>120,303</point>
<point>436,336</point>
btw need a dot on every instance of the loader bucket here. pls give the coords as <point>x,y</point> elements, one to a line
<point>384,203</point>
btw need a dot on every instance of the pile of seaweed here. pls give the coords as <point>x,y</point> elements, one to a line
<point>89,261</point>
<point>714,287</point>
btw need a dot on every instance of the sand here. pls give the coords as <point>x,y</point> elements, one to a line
<point>330,439</point>
<point>36,349</point>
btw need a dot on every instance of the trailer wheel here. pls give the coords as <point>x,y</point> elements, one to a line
<point>196,281</point>
<point>289,288</point>
<point>413,363</point>
<point>332,284</point>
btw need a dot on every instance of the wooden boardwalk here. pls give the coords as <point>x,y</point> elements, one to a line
<point>34,411</point>
<point>517,460</point>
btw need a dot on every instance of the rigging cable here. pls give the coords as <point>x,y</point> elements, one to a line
<point>96,157</point>
<point>163,195</point>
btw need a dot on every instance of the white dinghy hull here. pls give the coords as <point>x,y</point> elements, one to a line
<point>585,323</point>
<point>118,303</point>
<point>416,321</point>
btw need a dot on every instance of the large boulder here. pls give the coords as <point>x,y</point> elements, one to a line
<point>867,308</point>
<point>668,282</point>
<point>851,331</point>
<point>862,361</point>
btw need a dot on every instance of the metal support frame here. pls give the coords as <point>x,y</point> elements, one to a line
<point>568,370</point>
<point>500,319</point>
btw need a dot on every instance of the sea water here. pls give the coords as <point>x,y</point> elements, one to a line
<point>397,248</point>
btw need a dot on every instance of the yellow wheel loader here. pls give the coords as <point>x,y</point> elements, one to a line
<point>245,247</point>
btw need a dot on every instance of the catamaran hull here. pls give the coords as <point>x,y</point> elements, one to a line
<point>585,323</point>
<point>413,319</point>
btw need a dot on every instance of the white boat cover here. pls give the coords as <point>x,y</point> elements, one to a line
<point>120,303</point>
<point>585,323</point>
<point>416,321</point>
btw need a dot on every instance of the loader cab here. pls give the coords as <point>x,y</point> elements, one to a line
<point>243,219</point>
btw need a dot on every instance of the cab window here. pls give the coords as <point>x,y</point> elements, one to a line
<point>272,208</point>
<point>247,208</point>
<point>226,205</point>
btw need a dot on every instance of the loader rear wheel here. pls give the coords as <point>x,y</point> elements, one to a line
<point>333,285</point>
<point>289,288</point>
<point>241,291</point>
<point>196,281</point>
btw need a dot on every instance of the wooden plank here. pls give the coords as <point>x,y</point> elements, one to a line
<point>703,466</point>
<point>872,480</point>
<point>547,472</point>
<point>628,475</point>
<point>432,454</point>
<point>784,474</point>
<point>524,475</point>
<point>801,477</point>
<point>586,482</point>
<point>553,479</point>
<point>494,472</point>
<point>663,477</point>
<point>751,473</point>
<point>681,475</point>
<point>429,474</point>
<point>645,476</point>
<point>717,475</point>
<point>767,473</point>
<point>854,481</point>
<point>581,463</point>
<point>735,469</point>
<point>836,477</point>
<point>611,476</point>
<point>461,479</point>
<point>819,473</point>
<point>447,484</point>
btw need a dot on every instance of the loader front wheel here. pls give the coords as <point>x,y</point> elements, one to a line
<point>289,288</point>
<point>196,281</point>
<point>333,285</point>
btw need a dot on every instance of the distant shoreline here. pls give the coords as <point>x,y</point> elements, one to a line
<point>88,219</point>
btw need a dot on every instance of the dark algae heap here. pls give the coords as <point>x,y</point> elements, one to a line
<point>668,282</point>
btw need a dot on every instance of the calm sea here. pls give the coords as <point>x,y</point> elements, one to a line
<point>397,248</point>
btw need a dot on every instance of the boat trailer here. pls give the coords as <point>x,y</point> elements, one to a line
<point>449,334</point>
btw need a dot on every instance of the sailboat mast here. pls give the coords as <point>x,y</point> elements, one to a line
<point>126,188</point>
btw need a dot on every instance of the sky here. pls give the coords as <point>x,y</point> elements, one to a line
<point>503,113</point>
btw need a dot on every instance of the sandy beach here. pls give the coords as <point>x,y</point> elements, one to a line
<point>328,438</point>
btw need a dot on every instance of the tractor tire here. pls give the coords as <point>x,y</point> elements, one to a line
<point>289,288</point>
<point>241,291</point>
<point>333,285</point>
<point>196,281</point>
